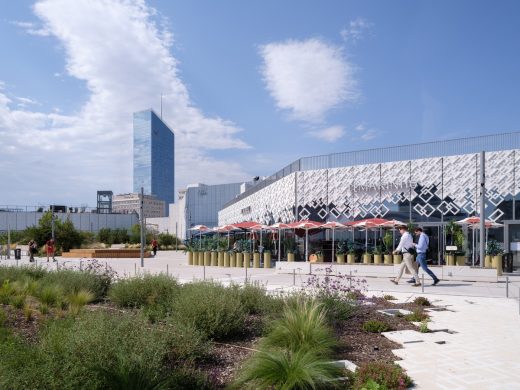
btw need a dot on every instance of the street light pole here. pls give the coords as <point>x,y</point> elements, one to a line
<point>52,222</point>
<point>482,207</point>
<point>143,242</point>
<point>8,237</point>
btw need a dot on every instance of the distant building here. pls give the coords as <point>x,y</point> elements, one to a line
<point>154,162</point>
<point>198,204</point>
<point>130,203</point>
<point>104,202</point>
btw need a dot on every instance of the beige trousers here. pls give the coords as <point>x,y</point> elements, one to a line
<point>408,263</point>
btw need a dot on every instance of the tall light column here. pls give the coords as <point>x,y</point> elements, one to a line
<point>143,241</point>
<point>482,207</point>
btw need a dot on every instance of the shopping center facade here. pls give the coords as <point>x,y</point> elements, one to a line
<point>429,184</point>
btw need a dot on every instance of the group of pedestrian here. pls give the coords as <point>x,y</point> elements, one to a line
<point>407,247</point>
<point>50,249</point>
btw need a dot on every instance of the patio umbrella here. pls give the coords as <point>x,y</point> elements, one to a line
<point>333,225</point>
<point>392,224</point>
<point>306,225</point>
<point>261,228</point>
<point>368,224</point>
<point>474,223</point>
<point>280,226</point>
<point>200,229</point>
<point>245,225</point>
<point>226,228</point>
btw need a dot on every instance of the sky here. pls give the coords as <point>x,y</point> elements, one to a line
<point>248,87</point>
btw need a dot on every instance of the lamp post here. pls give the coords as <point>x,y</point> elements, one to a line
<point>482,207</point>
<point>8,237</point>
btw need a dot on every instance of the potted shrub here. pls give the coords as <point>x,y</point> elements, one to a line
<point>367,257</point>
<point>247,259</point>
<point>232,258</point>
<point>460,258</point>
<point>351,255</point>
<point>495,251</point>
<point>290,248</point>
<point>340,253</point>
<point>226,259</point>
<point>378,255</point>
<point>256,259</point>
<point>267,259</point>
<point>207,256</point>
<point>320,256</point>
<point>214,258</point>
<point>398,258</point>
<point>388,240</point>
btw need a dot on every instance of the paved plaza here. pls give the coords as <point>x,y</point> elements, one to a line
<point>476,340</point>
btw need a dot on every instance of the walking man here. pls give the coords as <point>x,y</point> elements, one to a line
<point>405,245</point>
<point>155,245</point>
<point>422,248</point>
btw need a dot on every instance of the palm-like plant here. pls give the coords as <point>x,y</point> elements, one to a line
<point>285,370</point>
<point>303,326</point>
<point>296,354</point>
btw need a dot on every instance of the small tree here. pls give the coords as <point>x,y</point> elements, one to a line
<point>67,236</point>
<point>166,239</point>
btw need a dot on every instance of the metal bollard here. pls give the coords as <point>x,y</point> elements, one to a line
<point>422,283</point>
<point>294,277</point>
<point>204,274</point>
<point>17,263</point>
<point>135,269</point>
<point>106,266</point>
<point>350,279</point>
<point>507,286</point>
<point>246,274</point>
<point>167,271</point>
<point>81,265</point>
<point>310,268</point>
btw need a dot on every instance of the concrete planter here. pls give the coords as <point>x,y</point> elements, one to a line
<point>450,259</point>
<point>256,260</point>
<point>267,259</point>
<point>460,260</point>
<point>389,259</point>
<point>226,259</point>
<point>290,256</point>
<point>220,259</point>
<point>378,259</point>
<point>214,258</point>
<point>340,259</point>
<point>232,259</point>
<point>487,262</point>
<point>240,259</point>
<point>207,257</point>
<point>367,258</point>
<point>398,259</point>
<point>497,263</point>
<point>247,260</point>
<point>351,258</point>
<point>190,258</point>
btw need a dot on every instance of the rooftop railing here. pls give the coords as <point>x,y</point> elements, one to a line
<point>452,147</point>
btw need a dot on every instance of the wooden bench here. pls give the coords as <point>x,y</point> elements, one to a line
<point>124,253</point>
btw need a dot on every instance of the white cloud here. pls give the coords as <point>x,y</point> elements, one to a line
<point>33,28</point>
<point>23,101</point>
<point>356,30</point>
<point>329,134</point>
<point>125,61</point>
<point>308,78</point>
<point>364,133</point>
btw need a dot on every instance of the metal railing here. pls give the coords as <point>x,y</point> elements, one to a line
<point>453,147</point>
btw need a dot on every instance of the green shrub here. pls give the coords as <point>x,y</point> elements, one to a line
<point>253,297</point>
<point>6,292</point>
<point>374,326</point>
<point>154,292</point>
<point>386,375</point>
<point>417,316</point>
<point>188,344</point>
<point>70,281</point>
<point>77,300</point>
<point>389,297</point>
<point>337,309</point>
<point>424,327</point>
<point>50,295</point>
<point>210,308</point>
<point>422,301</point>
<point>18,301</point>
<point>84,352</point>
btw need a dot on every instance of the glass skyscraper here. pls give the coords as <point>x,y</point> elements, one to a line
<point>154,163</point>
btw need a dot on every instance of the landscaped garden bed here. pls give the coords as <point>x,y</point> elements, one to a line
<point>87,329</point>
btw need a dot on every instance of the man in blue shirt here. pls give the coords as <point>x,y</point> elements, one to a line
<point>422,248</point>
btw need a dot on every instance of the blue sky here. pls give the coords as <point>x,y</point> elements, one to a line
<point>248,86</point>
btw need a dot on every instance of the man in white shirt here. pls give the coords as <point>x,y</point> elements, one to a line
<point>405,244</point>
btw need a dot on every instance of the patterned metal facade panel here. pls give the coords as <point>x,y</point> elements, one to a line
<point>427,190</point>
